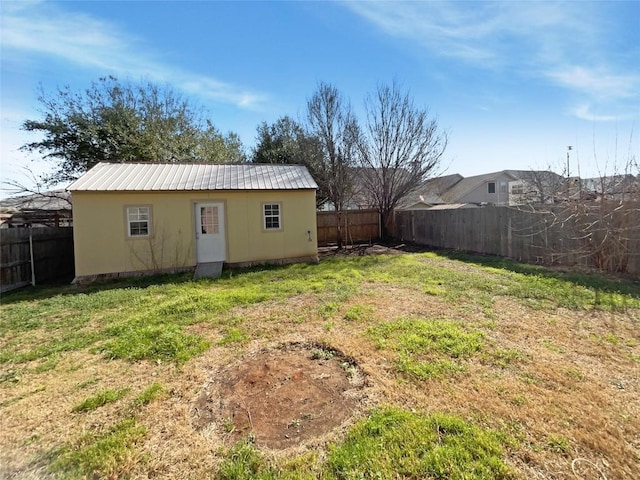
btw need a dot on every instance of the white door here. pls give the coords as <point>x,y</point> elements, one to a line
<point>210,239</point>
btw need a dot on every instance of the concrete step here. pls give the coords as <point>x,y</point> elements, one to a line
<point>209,270</point>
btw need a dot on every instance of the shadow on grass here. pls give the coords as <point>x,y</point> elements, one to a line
<point>594,280</point>
<point>42,292</point>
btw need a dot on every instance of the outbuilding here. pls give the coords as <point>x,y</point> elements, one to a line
<point>138,218</point>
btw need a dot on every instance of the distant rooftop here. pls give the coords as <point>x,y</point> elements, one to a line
<point>46,201</point>
<point>191,176</point>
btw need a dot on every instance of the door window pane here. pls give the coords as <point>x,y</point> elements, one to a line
<point>209,220</point>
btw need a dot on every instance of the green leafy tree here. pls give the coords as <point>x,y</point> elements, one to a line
<point>286,142</point>
<point>283,141</point>
<point>114,121</point>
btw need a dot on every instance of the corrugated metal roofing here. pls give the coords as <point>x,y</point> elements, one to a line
<point>190,176</point>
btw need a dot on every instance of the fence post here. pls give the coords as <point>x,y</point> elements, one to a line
<point>33,266</point>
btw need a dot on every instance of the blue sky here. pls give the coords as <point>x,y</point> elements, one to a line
<point>514,83</point>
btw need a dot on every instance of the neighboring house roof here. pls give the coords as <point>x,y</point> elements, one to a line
<point>466,185</point>
<point>454,189</point>
<point>453,206</point>
<point>526,174</point>
<point>48,208</point>
<point>192,176</point>
<point>47,201</point>
<point>539,178</point>
<point>431,190</point>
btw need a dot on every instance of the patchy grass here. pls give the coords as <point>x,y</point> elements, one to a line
<point>100,399</point>
<point>234,335</point>
<point>391,443</point>
<point>148,395</point>
<point>143,320</point>
<point>137,340</point>
<point>557,443</point>
<point>520,368</point>
<point>503,358</point>
<point>359,313</point>
<point>427,348</point>
<point>565,288</point>
<point>107,454</point>
<point>244,462</point>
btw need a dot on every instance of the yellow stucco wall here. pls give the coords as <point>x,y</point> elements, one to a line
<point>102,245</point>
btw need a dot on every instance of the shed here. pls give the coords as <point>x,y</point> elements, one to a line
<point>138,218</point>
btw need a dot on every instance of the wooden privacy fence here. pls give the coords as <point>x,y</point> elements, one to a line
<point>39,255</point>
<point>357,226</point>
<point>547,236</point>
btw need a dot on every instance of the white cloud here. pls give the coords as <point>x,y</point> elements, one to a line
<point>597,82</point>
<point>445,30</point>
<point>584,112</point>
<point>83,40</point>
<point>535,39</point>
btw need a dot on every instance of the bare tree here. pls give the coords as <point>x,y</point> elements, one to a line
<point>33,188</point>
<point>399,149</point>
<point>33,184</point>
<point>604,218</point>
<point>593,221</point>
<point>331,120</point>
<point>538,187</point>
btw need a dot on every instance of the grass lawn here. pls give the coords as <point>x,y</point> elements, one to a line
<point>476,368</point>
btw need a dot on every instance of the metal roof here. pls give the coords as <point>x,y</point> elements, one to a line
<point>119,177</point>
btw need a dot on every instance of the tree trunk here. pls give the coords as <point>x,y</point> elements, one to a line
<point>339,229</point>
<point>386,220</point>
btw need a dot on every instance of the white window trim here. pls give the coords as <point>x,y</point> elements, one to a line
<point>278,216</point>
<point>128,221</point>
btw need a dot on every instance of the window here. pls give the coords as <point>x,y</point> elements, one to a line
<point>491,187</point>
<point>209,220</point>
<point>138,221</point>
<point>503,187</point>
<point>517,189</point>
<point>271,216</point>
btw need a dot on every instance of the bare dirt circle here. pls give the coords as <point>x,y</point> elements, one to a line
<point>282,397</point>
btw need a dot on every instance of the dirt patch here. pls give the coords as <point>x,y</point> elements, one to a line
<point>282,397</point>
<point>328,251</point>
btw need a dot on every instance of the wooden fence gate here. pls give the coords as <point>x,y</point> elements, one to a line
<point>35,256</point>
